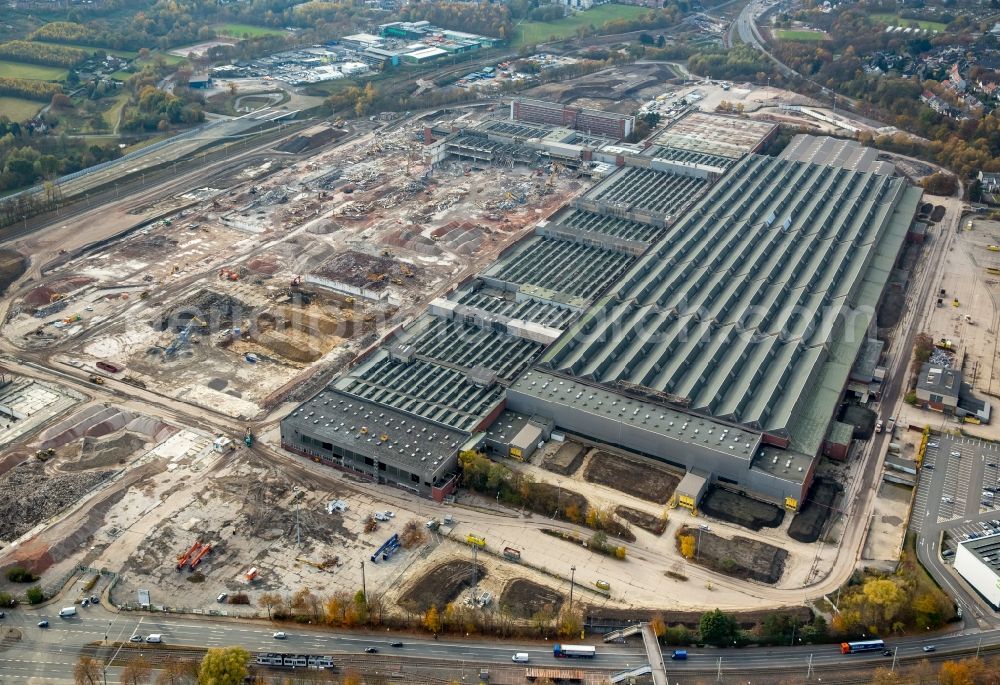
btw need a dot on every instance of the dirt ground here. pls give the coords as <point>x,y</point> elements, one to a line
<point>12,265</point>
<point>440,585</point>
<point>809,521</point>
<point>524,598</point>
<point>646,480</point>
<point>566,460</point>
<point>739,557</point>
<point>654,524</point>
<point>743,511</point>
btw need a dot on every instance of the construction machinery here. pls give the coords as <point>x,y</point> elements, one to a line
<point>95,379</point>
<point>296,282</point>
<point>183,559</point>
<point>199,555</point>
<point>183,338</point>
<point>248,437</point>
<point>406,271</point>
<point>228,274</point>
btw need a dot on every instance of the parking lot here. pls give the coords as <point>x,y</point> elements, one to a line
<point>958,490</point>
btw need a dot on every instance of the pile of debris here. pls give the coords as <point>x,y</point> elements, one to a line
<point>29,496</point>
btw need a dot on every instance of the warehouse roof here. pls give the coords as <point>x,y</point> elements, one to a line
<point>662,192</point>
<point>376,431</point>
<point>716,134</point>
<point>638,414</point>
<point>559,270</point>
<point>756,300</point>
<point>674,154</point>
<point>506,305</point>
<point>463,345</point>
<point>847,154</point>
<point>986,550</point>
<point>940,380</point>
<point>440,394</point>
<point>583,221</point>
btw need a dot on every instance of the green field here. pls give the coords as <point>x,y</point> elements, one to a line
<point>35,72</point>
<point>783,34</point>
<point>18,109</point>
<point>534,32</point>
<point>890,19</point>
<point>112,113</point>
<point>239,30</point>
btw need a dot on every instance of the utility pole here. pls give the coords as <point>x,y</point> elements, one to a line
<point>892,669</point>
<point>809,668</point>
<point>475,569</point>
<point>978,647</point>
<point>364,587</point>
<point>572,578</point>
<point>718,671</point>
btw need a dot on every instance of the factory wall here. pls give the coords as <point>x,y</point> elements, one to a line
<point>679,453</point>
<point>296,438</point>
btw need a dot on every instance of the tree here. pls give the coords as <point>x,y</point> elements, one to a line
<point>923,345</point>
<point>570,622</point>
<point>432,620</point>
<point>717,628</point>
<point>688,546</point>
<point>224,666</point>
<point>35,594</point>
<point>178,672</point>
<point>883,595</point>
<point>964,672</point>
<point>351,677</point>
<point>269,601</point>
<point>658,625</point>
<point>883,676</point>
<point>87,671</point>
<point>940,184</point>
<point>136,672</point>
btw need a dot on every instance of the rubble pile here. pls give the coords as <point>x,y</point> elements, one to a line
<point>28,495</point>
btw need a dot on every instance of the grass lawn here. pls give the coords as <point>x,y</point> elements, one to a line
<point>35,72</point>
<point>534,32</point>
<point>890,19</point>
<point>111,114</point>
<point>783,34</point>
<point>238,30</point>
<point>19,109</point>
<point>127,54</point>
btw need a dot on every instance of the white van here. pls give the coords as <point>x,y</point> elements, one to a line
<point>520,658</point>
<point>155,638</point>
<point>67,612</point>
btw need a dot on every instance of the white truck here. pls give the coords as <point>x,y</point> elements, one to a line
<point>67,612</point>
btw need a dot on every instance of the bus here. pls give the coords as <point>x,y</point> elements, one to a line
<point>574,651</point>
<point>863,646</point>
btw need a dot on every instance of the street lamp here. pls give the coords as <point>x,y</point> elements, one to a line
<point>572,577</point>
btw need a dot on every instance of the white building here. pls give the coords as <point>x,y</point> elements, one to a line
<point>978,561</point>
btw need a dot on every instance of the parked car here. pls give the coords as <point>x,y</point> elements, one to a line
<point>932,445</point>
<point>221,598</point>
<point>136,638</point>
<point>379,516</point>
<point>956,454</point>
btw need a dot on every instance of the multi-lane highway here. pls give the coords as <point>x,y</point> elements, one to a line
<point>49,654</point>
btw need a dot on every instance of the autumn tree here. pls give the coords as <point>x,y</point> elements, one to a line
<point>688,546</point>
<point>351,677</point>
<point>178,672</point>
<point>883,676</point>
<point>658,625</point>
<point>224,666</point>
<point>136,672</point>
<point>270,601</point>
<point>432,620</point>
<point>964,672</point>
<point>570,622</point>
<point>87,671</point>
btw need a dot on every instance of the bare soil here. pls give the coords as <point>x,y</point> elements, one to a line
<point>654,524</point>
<point>524,598</point>
<point>743,511</point>
<point>566,460</point>
<point>739,557</point>
<point>643,479</point>
<point>808,523</point>
<point>12,265</point>
<point>440,585</point>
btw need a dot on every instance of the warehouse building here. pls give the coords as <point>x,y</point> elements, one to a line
<point>978,562</point>
<point>701,305</point>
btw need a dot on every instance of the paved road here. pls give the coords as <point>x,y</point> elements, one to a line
<point>50,654</point>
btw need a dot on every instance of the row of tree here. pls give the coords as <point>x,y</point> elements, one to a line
<point>42,53</point>
<point>29,89</point>
<point>71,33</point>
